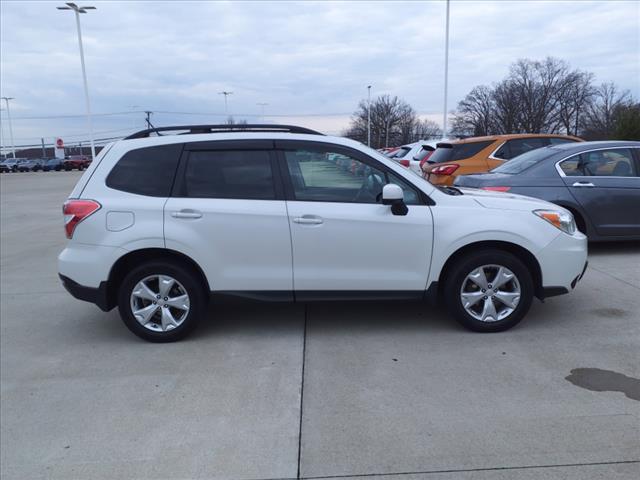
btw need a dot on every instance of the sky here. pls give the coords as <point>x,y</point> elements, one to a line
<point>311,62</point>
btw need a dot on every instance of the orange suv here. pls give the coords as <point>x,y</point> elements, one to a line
<point>481,154</point>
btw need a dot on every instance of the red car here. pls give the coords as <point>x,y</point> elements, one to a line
<point>78,162</point>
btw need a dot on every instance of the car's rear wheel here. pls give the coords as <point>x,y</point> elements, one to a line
<point>488,291</point>
<point>161,301</point>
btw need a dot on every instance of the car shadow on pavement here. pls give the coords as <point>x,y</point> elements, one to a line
<point>379,316</point>
<point>614,248</point>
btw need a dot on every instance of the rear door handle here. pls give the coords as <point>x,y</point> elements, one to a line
<point>583,184</point>
<point>186,214</point>
<point>308,220</point>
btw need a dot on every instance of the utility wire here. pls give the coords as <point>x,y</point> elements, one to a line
<point>213,114</point>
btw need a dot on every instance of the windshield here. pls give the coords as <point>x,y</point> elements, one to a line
<point>523,162</point>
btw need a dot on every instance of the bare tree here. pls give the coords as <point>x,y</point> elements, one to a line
<point>576,97</point>
<point>600,114</point>
<point>542,97</point>
<point>475,114</point>
<point>392,122</point>
<point>539,90</point>
<point>425,130</point>
<point>506,109</point>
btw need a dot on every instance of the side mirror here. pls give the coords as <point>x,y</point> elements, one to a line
<point>393,195</point>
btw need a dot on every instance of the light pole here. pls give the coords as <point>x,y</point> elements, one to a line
<point>78,10</point>
<point>369,116</point>
<point>262,105</point>
<point>2,144</point>
<point>226,107</point>
<point>13,145</point>
<point>446,74</point>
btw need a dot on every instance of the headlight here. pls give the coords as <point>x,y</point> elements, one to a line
<point>559,219</point>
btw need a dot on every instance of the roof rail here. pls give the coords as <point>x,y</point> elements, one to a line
<point>224,128</point>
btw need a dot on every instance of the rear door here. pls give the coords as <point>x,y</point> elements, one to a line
<point>344,240</point>
<point>228,213</point>
<point>606,183</point>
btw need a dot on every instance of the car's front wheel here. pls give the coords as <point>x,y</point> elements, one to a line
<point>161,301</point>
<point>488,291</point>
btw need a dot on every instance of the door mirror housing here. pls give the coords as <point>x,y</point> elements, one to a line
<point>393,195</point>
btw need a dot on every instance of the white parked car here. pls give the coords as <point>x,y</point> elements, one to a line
<point>158,224</point>
<point>410,155</point>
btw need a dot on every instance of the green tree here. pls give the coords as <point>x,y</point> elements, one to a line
<point>627,122</point>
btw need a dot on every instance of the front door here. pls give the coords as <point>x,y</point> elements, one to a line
<point>344,240</point>
<point>606,184</point>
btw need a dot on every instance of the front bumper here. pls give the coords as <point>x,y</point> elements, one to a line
<point>563,263</point>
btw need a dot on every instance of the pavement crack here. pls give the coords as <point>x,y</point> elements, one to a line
<point>304,356</point>
<point>614,277</point>
<point>463,470</point>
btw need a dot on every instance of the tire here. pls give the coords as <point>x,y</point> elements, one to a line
<point>153,329</point>
<point>516,291</point>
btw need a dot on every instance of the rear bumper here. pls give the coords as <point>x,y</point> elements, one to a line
<point>88,294</point>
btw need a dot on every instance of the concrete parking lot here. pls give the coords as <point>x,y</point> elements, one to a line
<point>336,390</point>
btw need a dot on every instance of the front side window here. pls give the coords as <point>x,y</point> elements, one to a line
<point>325,176</point>
<point>601,163</point>
<point>229,174</point>
<point>146,171</point>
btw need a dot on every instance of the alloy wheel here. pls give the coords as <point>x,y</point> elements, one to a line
<point>490,293</point>
<point>159,303</point>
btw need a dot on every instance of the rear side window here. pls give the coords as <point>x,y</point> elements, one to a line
<point>235,174</point>
<point>451,152</point>
<point>146,171</point>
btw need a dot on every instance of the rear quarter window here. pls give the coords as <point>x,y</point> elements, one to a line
<point>146,171</point>
<point>452,152</point>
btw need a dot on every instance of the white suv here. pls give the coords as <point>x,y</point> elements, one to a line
<point>158,223</point>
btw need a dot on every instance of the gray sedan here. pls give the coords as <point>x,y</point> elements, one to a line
<point>599,182</point>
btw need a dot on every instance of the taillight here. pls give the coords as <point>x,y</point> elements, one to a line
<point>75,211</point>
<point>404,163</point>
<point>496,189</point>
<point>445,169</point>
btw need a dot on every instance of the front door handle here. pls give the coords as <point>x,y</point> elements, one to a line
<point>186,214</point>
<point>583,184</point>
<point>308,220</point>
